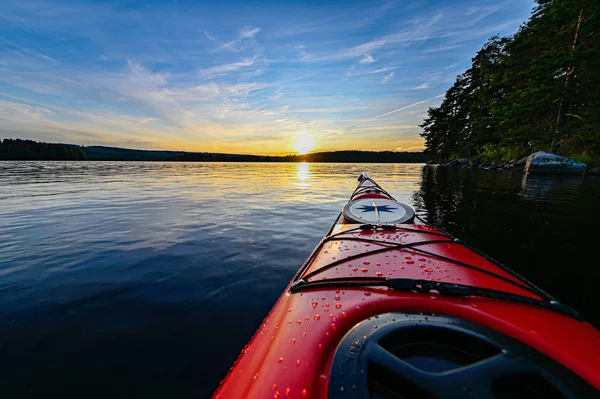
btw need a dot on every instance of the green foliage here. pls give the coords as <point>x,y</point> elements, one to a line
<point>16,149</point>
<point>536,90</point>
<point>490,153</point>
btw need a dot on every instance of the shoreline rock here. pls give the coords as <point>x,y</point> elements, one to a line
<point>538,162</point>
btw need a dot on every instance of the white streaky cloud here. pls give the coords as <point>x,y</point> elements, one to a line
<point>243,89</point>
<point>249,33</point>
<point>422,86</point>
<point>224,68</point>
<point>209,37</point>
<point>142,75</point>
<point>344,54</point>
<point>376,71</point>
<point>367,59</point>
<point>394,111</point>
<point>243,41</point>
<point>387,78</point>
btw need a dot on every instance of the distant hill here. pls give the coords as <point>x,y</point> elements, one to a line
<point>16,149</point>
<point>101,153</point>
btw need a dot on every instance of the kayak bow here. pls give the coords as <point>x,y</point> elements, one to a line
<point>388,306</point>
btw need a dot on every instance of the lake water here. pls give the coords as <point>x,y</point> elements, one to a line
<point>146,279</point>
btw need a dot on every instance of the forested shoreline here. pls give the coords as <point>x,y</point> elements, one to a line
<point>536,90</point>
<point>29,150</point>
<point>17,149</point>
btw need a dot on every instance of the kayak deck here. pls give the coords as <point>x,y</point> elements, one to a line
<point>359,272</point>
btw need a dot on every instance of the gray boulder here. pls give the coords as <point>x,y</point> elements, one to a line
<point>520,164</point>
<point>456,163</point>
<point>543,162</point>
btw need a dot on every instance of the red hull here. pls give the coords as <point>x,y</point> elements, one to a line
<point>291,353</point>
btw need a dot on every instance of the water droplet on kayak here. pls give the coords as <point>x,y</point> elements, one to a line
<point>378,264</point>
<point>428,270</point>
<point>366,262</point>
<point>297,362</point>
<point>337,291</point>
<point>274,387</point>
<point>344,314</point>
<point>304,393</point>
<point>299,322</point>
<point>255,376</point>
<point>338,305</point>
<point>387,263</point>
<point>276,394</point>
<point>422,266</point>
<point>306,318</point>
<point>355,268</point>
<point>304,334</point>
<point>293,340</point>
<point>367,293</point>
<point>315,304</point>
<point>337,297</point>
<point>342,389</point>
<point>287,391</point>
<point>317,317</point>
<point>364,270</point>
<point>358,308</point>
<point>280,360</point>
<point>407,257</point>
<point>422,259</point>
<point>410,262</point>
<point>379,274</point>
<point>333,326</point>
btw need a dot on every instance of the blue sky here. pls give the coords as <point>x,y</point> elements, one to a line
<point>244,76</point>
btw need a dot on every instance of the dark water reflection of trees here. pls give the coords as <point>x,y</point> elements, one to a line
<point>544,227</point>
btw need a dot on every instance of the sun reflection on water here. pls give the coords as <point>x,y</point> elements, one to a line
<point>303,171</point>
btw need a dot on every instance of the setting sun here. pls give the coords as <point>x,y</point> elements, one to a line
<point>304,144</point>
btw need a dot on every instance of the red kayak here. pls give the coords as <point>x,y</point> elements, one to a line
<point>388,306</point>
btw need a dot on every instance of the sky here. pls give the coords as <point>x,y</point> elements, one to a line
<point>260,77</point>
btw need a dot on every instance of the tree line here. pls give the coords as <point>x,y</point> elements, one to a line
<point>17,149</point>
<point>538,89</point>
<point>24,150</point>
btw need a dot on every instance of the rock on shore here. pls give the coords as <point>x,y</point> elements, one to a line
<point>538,162</point>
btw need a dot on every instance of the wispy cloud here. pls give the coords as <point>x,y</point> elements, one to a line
<point>249,33</point>
<point>394,111</point>
<point>242,42</point>
<point>421,86</point>
<point>387,78</point>
<point>367,59</point>
<point>372,72</point>
<point>225,68</point>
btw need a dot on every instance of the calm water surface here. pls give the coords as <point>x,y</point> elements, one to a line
<point>146,279</point>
